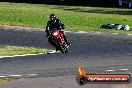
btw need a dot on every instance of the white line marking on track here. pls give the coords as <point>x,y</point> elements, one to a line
<point>5,56</point>
<point>31,75</point>
<point>109,70</point>
<point>117,70</point>
<point>15,75</point>
<point>21,55</point>
<point>27,75</point>
<point>3,76</point>
<point>124,69</point>
<point>98,32</point>
<point>129,34</point>
<point>81,32</point>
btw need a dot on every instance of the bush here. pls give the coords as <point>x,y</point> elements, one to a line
<point>102,3</point>
<point>92,2</point>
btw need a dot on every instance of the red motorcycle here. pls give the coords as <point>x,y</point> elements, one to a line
<point>58,39</point>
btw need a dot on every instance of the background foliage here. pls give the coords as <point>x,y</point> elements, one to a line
<point>103,3</point>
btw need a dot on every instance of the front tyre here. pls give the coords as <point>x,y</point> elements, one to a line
<point>64,48</point>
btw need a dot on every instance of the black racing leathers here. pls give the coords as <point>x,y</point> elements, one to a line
<point>55,24</point>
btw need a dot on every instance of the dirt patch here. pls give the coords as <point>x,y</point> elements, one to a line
<point>3,26</point>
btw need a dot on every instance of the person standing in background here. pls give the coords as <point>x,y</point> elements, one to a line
<point>120,3</point>
<point>130,3</point>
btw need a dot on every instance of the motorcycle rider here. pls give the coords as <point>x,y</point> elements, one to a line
<point>55,23</point>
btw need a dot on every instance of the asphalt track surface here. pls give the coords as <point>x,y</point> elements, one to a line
<point>97,53</point>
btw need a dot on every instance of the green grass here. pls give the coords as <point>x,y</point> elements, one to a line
<point>76,18</point>
<point>7,79</point>
<point>14,50</point>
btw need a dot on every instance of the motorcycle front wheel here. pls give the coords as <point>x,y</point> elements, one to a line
<point>63,48</point>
